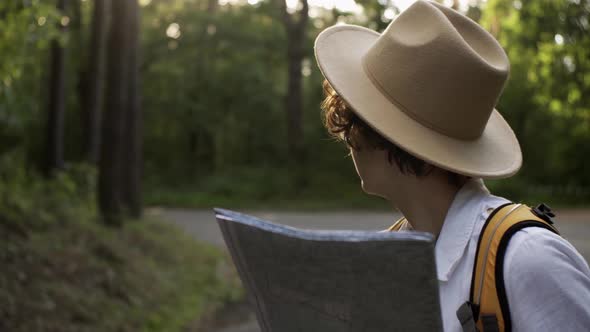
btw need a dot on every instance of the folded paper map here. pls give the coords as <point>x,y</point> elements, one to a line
<point>334,281</point>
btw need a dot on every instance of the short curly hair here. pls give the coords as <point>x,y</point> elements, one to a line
<point>343,124</point>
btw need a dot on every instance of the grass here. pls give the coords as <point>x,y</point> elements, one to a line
<point>81,276</point>
<point>62,270</point>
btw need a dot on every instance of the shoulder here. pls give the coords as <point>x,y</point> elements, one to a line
<point>547,282</point>
<point>534,249</point>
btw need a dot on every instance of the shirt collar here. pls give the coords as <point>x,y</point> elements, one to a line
<point>458,226</point>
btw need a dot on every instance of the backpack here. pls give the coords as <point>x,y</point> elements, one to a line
<point>487,309</point>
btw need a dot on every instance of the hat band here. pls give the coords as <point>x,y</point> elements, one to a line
<point>400,106</point>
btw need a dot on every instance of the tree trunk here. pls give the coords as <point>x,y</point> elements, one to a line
<point>212,6</point>
<point>92,80</point>
<point>133,121</point>
<point>56,104</point>
<point>111,153</point>
<point>294,98</point>
<point>295,25</point>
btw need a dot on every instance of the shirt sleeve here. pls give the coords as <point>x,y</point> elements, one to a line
<point>547,283</point>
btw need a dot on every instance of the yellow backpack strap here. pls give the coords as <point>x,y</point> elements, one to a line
<point>487,300</point>
<point>402,223</point>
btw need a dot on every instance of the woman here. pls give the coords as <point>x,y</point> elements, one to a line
<point>415,105</point>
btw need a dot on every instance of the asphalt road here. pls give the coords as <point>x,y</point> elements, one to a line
<point>574,225</point>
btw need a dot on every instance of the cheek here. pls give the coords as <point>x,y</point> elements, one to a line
<point>358,162</point>
<point>367,169</point>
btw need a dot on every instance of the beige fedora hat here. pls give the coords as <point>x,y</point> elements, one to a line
<point>429,83</point>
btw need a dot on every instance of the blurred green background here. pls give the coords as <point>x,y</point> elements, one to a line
<point>107,107</point>
<point>218,96</point>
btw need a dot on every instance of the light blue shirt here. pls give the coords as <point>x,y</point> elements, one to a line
<point>547,281</point>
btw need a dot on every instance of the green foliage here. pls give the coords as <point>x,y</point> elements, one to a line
<point>213,87</point>
<point>214,105</point>
<point>27,27</point>
<point>547,100</point>
<point>268,188</point>
<point>227,125</point>
<point>81,276</point>
<point>29,201</point>
<point>229,102</point>
<point>70,273</point>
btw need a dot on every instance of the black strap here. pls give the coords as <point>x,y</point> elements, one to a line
<point>499,267</point>
<point>490,323</point>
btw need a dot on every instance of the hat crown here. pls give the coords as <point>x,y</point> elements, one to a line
<point>440,68</point>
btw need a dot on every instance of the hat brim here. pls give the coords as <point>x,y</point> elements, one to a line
<point>339,51</point>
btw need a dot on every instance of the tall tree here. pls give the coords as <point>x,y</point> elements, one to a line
<point>295,26</point>
<point>56,99</point>
<point>92,80</point>
<point>133,120</point>
<point>111,149</point>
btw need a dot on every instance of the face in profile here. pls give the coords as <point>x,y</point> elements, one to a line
<point>379,163</point>
<point>373,168</point>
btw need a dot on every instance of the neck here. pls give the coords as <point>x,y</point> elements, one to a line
<point>425,201</point>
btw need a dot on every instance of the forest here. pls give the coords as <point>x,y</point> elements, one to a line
<point>204,103</point>
<point>109,108</point>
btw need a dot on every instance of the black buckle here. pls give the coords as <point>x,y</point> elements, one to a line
<point>466,317</point>
<point>544,212</point>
